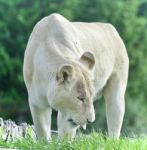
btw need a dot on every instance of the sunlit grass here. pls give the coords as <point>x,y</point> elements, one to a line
<point>94,141</point>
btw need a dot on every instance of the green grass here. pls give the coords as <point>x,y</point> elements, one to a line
<point>94,141</point>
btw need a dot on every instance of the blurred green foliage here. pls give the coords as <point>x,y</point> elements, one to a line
<point>17,19</point>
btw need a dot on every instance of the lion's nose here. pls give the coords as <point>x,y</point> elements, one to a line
<point>91,117</point>
<point>90,121</point>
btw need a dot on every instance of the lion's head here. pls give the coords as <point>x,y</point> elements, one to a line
<point>74,90</point>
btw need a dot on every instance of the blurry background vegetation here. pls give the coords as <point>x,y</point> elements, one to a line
<point>17,19</point>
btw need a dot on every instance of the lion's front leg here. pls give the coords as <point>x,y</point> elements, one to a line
<point>42,121</point>
<point>65,129</point>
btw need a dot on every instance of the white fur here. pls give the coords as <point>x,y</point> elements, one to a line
<point>56,41</point>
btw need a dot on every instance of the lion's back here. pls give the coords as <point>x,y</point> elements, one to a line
<point>65,39</point>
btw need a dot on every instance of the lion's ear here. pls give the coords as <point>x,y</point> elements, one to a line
<point>88,60</point>
<point>65,73</point>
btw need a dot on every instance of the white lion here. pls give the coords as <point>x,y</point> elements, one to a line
<point>65,65</point>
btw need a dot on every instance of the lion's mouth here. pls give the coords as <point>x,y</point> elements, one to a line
<point>72,122</point>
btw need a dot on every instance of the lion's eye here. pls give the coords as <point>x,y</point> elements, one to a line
<point>81,99</point>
